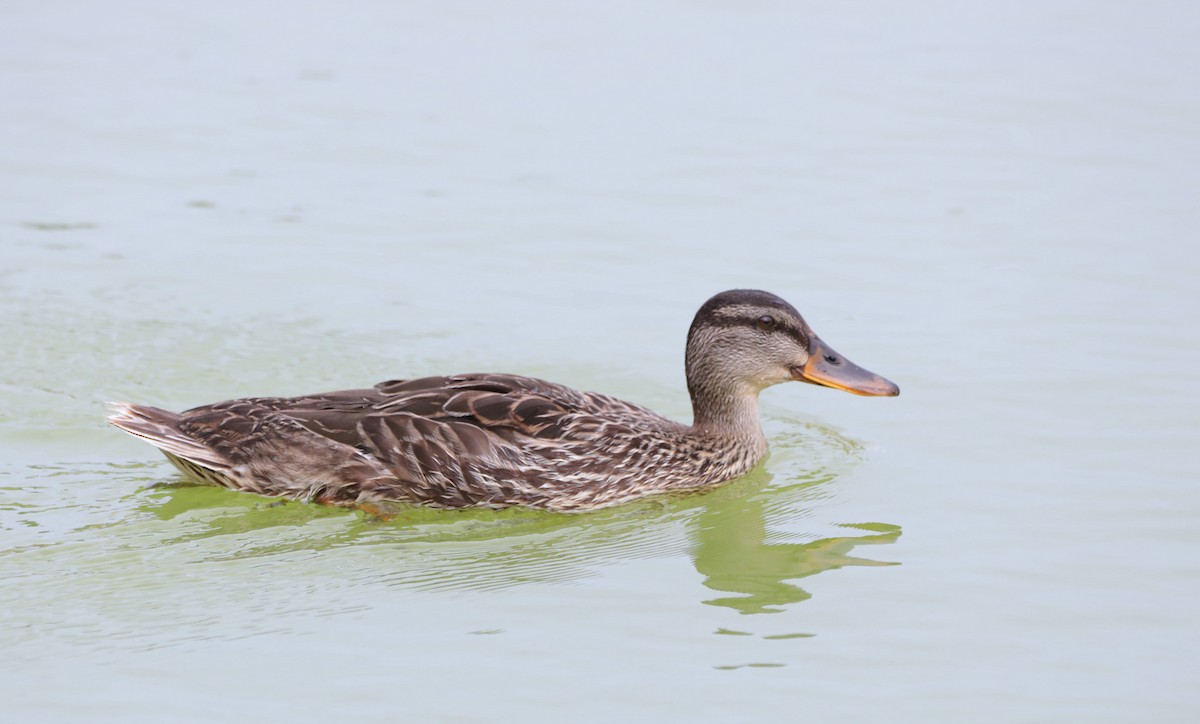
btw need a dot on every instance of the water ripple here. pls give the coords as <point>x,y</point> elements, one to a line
<point>134,560</point>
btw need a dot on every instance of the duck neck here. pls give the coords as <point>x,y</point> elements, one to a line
<point>724,400</point>
<point>728,411</point>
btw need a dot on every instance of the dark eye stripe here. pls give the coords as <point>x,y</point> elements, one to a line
<point>780,327</point>
<point>795,334</point>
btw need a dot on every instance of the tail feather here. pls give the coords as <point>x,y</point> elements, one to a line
<point>160,428</point>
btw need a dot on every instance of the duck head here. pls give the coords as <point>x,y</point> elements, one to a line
<point>745,340</point>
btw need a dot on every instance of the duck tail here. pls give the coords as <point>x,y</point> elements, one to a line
<point>161,429</point>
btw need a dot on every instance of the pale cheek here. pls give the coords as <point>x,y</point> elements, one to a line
<point>766,378</point>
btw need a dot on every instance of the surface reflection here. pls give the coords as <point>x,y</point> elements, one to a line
<point>732,553</point>
<point>107,533</point>
<point>725,532</point>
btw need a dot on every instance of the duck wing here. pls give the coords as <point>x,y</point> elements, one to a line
<point>454,441</point>
<point>509,406</point>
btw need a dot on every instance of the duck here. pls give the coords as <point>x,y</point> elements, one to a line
<point>487,440</point>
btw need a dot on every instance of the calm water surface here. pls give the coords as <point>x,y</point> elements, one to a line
<point>994,206</point>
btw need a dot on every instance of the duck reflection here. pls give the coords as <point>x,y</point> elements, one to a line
<point>732,553</point>
<point>726,536</point>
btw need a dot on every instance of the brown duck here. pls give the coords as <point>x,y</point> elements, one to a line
<point>498,440</point>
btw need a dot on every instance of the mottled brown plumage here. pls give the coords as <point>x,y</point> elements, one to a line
<point>497,440</point>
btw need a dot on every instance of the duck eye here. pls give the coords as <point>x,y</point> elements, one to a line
<point>766,323</point>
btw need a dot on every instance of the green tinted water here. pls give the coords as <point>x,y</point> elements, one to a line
<point>995,209</point>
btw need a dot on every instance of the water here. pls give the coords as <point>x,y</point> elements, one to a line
<point>995,206</point>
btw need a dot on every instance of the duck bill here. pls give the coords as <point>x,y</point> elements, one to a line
<point>828,368</point>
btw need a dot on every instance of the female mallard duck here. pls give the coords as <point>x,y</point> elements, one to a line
<point>495,440</point>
